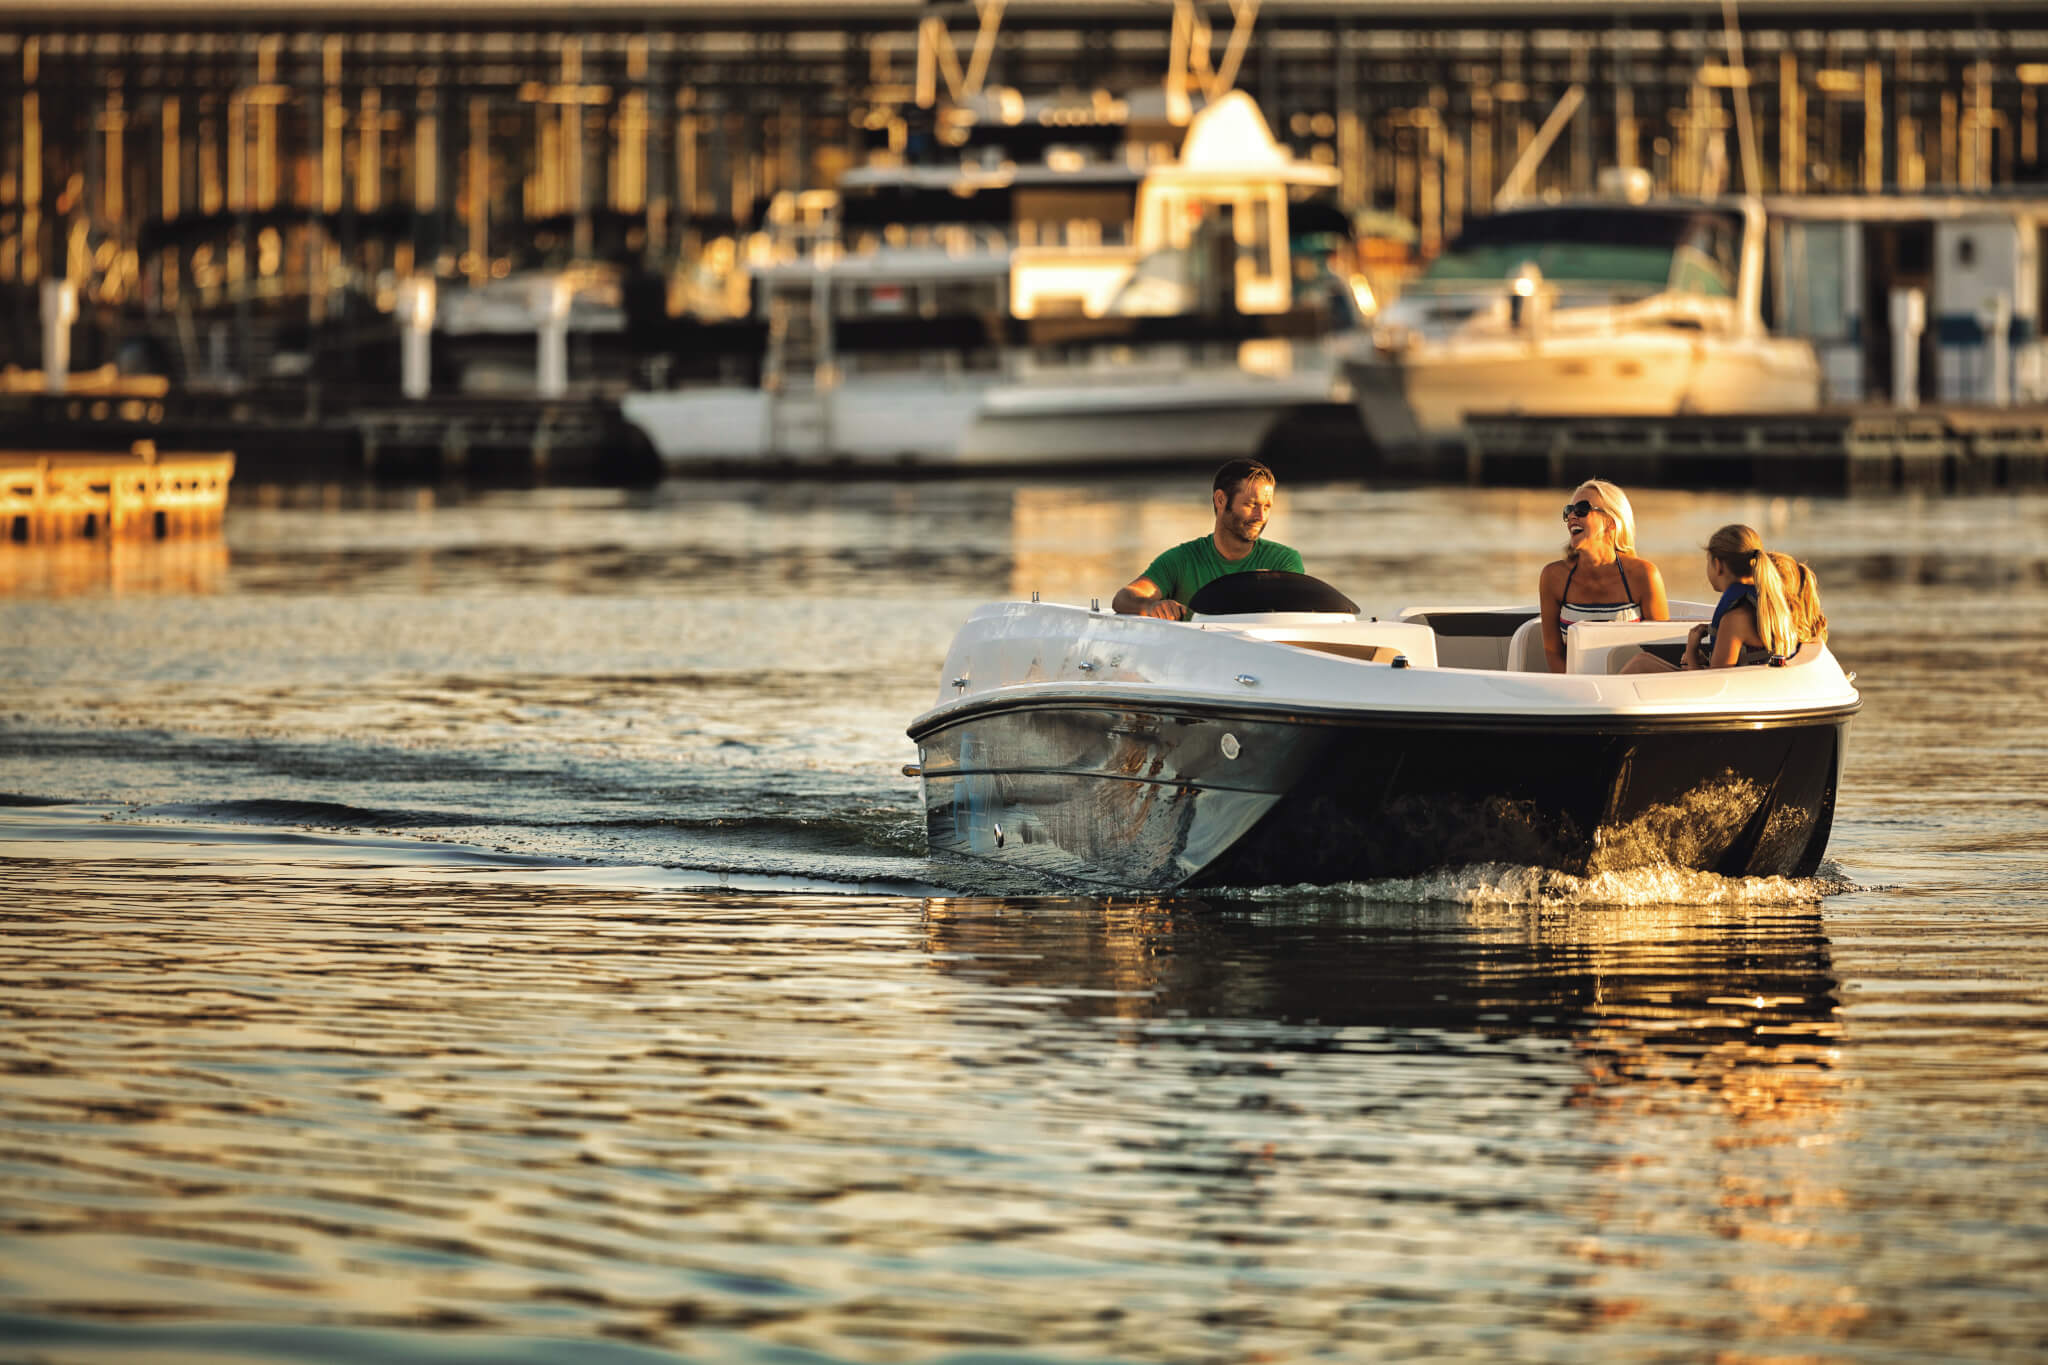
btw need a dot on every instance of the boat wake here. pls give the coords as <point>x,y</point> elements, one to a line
<point>1500,884</point>
<point>328,815</point>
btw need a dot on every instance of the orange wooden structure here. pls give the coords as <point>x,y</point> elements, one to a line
<point>61,495</point>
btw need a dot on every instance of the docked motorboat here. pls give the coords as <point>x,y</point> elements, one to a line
<point>1604,306</point>
<point>877,384</point>
<point>1280,737</point>
<point>1073,311</point>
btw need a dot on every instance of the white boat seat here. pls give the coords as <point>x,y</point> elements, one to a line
<point>1607,646</point>
<point>1470,637</point>
<point>1368,641</point>
<point>1525,649</point>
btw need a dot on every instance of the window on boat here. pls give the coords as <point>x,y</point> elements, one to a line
<point>1052,215</point>
<point>915,325</point>
<point>1705,260</point>
<point>918,298</point>
<point>1627,253</point>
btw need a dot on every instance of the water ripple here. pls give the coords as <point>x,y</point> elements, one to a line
<point>373,1111</point>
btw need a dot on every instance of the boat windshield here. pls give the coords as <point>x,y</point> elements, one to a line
<point>1629,251</point>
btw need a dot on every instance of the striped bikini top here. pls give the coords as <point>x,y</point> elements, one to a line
<point>1569,610</point>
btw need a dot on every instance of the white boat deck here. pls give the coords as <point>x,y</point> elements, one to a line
<point>1330,662</point>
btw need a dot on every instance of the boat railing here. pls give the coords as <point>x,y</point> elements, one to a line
<point>1564,314</point>
<point>1113,363</point>
<point>766,250</point>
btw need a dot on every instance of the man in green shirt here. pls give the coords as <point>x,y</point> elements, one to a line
<point>1243,497</point>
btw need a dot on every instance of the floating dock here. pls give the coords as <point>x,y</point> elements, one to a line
<point>313,432</point>
<point>1846,450</point>
<point>65,495</point>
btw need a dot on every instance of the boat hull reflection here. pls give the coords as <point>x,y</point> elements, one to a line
<point>1677,980</point>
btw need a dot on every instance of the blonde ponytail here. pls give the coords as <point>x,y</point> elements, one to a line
<point>1741,551</point>
<point>1773,612</point>
<point>1809,622</point>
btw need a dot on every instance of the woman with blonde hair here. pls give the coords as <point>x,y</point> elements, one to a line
<point>1600,577</point>
<point>1802,595</point>
<point>1753,620</point>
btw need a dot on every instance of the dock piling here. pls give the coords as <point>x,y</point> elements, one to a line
<point>60,310</point>
<point>1909,320</point>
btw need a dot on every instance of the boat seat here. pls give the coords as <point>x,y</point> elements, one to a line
<point>1607,646</point>
<point>1470,637</point>
<point>1525,648</point>
<point>1367,641</point>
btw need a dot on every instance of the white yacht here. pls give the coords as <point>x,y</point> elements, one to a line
<point>1068,311</point>
<point>1279,738</point>
<point>1601,306</point>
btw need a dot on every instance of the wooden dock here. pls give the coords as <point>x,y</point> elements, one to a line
<point>1847,450</point>
<point>315,433</point>
<point>66,495</point>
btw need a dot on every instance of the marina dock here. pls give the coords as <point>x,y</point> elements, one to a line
<point>66,495</point>
<point>1831,450</point>
<point>309,433</point>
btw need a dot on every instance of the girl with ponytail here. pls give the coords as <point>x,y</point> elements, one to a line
<point>1802,594</point>
<point>1753,620</point>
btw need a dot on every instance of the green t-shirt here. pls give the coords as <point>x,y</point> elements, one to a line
<point>1187,568</point>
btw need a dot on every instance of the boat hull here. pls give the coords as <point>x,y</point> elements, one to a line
<point>1427,393</point>
<point>1153,798</point>
<point>1200,416</point>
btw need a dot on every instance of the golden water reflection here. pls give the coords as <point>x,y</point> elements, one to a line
<point>118,567</point>
<point>1682,1062</point>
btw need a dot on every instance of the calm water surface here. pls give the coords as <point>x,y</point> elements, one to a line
<point>493,927</point>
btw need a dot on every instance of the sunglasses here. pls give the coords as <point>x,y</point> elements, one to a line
<point>1581,508</point>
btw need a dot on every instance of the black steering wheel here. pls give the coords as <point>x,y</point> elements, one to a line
<point>1263,590</point>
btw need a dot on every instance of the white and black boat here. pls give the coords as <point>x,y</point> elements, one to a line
<point>1279,737</point>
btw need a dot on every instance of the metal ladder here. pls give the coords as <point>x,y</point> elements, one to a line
<point>799,411</point>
